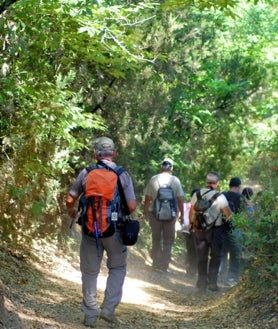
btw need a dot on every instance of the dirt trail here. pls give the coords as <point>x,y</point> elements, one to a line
<point>47,295</point>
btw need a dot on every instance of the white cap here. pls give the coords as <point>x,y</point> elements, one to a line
<point>168,161</point>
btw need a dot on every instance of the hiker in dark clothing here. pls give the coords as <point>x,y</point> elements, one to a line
<point>247,192</point>
<point>232,247</point>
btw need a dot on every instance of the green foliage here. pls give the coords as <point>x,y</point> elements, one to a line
<point>160,78</point>
<point>57,58</point>
<point>261,239</point>
<point>200,95</point>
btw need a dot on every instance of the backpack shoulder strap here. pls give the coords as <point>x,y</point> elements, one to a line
<point>214,197</point>
<point>91,167</point>
<point>199,195</point>
<point>118,170</point>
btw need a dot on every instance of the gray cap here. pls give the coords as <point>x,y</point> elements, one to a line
<point>212,177</point>
<point>104,144</point>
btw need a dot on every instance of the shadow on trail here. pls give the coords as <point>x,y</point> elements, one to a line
<point>48,296</point>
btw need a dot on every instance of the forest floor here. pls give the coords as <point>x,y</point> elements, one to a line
<point>45,293</point>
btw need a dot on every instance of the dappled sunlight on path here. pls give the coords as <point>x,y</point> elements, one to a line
<point>46,294</point>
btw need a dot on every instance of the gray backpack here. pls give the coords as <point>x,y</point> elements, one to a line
<point>165,206</point>
<point>205,219</point>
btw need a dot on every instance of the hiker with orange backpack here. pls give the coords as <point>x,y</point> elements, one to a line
<point>105,191</point>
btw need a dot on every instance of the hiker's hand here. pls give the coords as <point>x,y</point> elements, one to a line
<point>180,219</point>
<point>73,217</point>
<point>73,213</point>
<point>228,224</point>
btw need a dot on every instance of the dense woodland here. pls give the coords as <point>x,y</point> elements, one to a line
<point>196,81</point>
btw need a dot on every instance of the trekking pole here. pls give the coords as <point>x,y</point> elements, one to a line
<point>73,218</point>
<point>94,213</point>
<point>71,223</point>
<point>96,234</point>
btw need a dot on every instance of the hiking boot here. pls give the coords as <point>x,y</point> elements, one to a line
<point>90,321</point>
<point>201,289</point>
<point>201,286</point>
<point>111,318</point>
<point>201,283</point>
<point>231,282</point>
<point>156,269</point>
<point>165,270</point>
<point>190,273</point>
<point>213,287</point>
<point>160,269</point>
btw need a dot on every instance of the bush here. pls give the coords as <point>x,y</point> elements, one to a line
<point>261,240</point>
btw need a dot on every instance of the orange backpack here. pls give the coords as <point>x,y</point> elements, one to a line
<point>100,205</point>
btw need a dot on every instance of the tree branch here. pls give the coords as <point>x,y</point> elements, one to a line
<point>99,105</point>
<point>5,5</point>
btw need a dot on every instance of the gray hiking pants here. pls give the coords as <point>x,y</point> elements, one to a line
<point>90,263</point>
<point>163,238</point>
